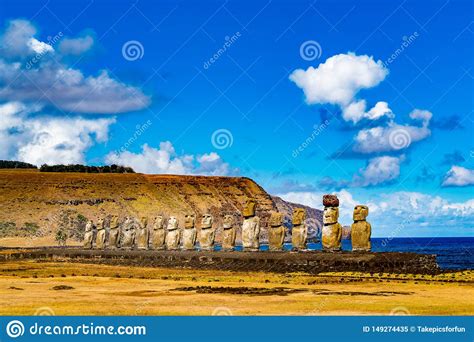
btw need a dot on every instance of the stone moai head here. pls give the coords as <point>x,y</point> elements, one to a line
<point>172,223</point>
<point>276,219</point>
<point>114,222</point>
<point>206,221</point>
<point>249,209</point>
<point>159,222</point>
<point>360,212</point>
<point>228,221</point>
<point>89,225</point>
<point>143,222</point>
<point>299,215</point>
<point>331,214</point>
<point>189,220</point>
<point>100,224</point>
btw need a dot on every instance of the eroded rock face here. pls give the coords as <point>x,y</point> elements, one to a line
<point>88,235</point>
<point>157,238</point>
<point>361,229</point>
<point>299,233</point>
<point>228,233</point>
<point>189,232</point>
<point>250,233</point>
<point>173,234</point>
<point>142,234</point>
<point>100,238</point>
<point>128,233</point>
<point>207,234</point>
<point>332,230</point>
<point>276,233</point>
<point>114,233</point>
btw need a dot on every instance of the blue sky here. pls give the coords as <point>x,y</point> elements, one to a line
<point>380,111</point>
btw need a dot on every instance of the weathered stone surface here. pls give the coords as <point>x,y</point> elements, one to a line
<point>207,234</point>
<point>249,209</point>
<point>332,230</point>
<point>142,234</point>
<point>276,232</point>
<point>299,233</point>
<point>330,201</point>
<point>114,233</point>
<point>157,238</point>
<point>100,238</point>
<point>88,235</point>
<point>361,229</point>
<point>173,234</point>
<point>189,232</point>
<point>251,233</point>
<point>128,233</point>
<point>228,233</point>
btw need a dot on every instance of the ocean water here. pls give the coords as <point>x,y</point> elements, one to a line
<point>451,253</point>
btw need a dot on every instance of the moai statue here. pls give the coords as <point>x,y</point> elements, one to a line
<point>189,232</point>
<point>207,234</point>
<point>100,238</point>
<point>142,234</point>
<point>332,230</point>
<point>276,232</point>
<point>250,227</point>
<point>114,232</point>
<point>88,235</point>
<point>173,234</point>
<point>228,233</point>
<point>299,232</point>
<point>128,233</point>
<point>157,238</point>
<point>361,229</point>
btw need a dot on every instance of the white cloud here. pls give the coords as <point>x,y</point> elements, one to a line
<point>459,176</point>
<point>356,111</point>
<point>165,160</point>
<point>339,78</point>
<point>75,46</point>
<point>39,139</point>
<point>47,81</point>
<point>379,170</point>
<point>393,137</point>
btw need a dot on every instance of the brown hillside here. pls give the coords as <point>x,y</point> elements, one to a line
<point>36,203</point>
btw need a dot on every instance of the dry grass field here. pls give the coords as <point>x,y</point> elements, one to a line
<point>29,287</point>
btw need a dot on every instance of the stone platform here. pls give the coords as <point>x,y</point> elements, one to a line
<point>312,262</point>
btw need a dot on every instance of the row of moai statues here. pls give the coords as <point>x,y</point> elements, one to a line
<point>140,235</point>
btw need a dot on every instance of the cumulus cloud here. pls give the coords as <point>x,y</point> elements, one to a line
<point>459,176</point>
<point>393,137</point>
<point>49,82</point>
<point>75,46</point>
<point>379,170</point>
<point>165,160</point>
<point>40,138</point>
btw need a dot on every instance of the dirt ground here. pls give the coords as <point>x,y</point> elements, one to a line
<point>30,287</point>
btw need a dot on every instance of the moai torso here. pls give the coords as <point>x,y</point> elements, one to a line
<point>207,234</point>
<point>100,238</point>
<point>189,232</point>
<point>250,228</point>
<point>332,230</point>
<point>128,233</point>
<point>142,234</point>
<point>361,229</point>
<point>157,239</point>
<point>276,232</point>
<point>228,233</point>
<point>299,232</point>
<point>114,233</point>
<point>88,235</point>
<point>172,234</point>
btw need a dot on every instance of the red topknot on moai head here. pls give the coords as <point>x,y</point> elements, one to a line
<point>330,201</point>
